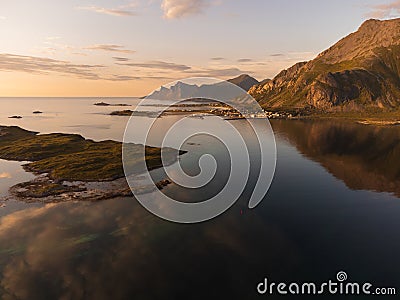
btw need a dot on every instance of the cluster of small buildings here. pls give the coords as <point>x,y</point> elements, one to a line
<point>235,114</point>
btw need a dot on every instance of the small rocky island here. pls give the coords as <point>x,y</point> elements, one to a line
<point>125,113</point>
<point>129,113</point>
<point>108,104</point>
<point>70,167</point>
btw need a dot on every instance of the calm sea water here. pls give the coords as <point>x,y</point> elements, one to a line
<point>333,206</point>
<point>69,115</point>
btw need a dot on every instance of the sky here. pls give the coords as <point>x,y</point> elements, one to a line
<point>130,48</point>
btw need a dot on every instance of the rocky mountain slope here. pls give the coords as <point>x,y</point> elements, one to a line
<point>361,72</point>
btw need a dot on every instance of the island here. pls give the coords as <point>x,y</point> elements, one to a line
<point>70,167</point>
<point>128,113</point>
<point>211,108</point>
<point>108,104</point>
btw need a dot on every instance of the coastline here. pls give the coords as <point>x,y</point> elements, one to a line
<point>367,117</point>
<point>374,117</point>
<point>69,167</point>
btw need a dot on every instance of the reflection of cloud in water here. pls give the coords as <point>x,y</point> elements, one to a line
<point>115,249</point>
<point>5,175</point>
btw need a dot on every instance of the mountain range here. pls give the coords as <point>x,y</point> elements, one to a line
<point>361,72</point>
<point>221,90</point>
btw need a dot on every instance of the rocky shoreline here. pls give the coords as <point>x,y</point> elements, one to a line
<point>71,168</point>
<point>45,190</point>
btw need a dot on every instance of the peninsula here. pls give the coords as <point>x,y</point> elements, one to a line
<point>69,164</point>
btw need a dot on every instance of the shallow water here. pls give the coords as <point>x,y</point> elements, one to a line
<point>68,115</point>
<point>332,206</point>
<point>12,173</point>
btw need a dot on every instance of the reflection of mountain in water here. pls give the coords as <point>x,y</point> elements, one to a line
<point>364,157</point>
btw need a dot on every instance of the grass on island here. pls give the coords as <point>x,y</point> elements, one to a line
<point>372,116</point>
<point>71,157</point>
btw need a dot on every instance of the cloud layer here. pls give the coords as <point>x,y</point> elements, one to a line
<point>48,66</point>
<point>108,11</point>
<point>385,10</point>
<point>110,48</point>
<point>244,60</point>
<point>120,58</point>
<point>217,72</point>
<point>175,9</point>
<point>41,65</point>
<point>159,65</point>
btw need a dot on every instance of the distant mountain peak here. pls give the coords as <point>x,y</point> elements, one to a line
<point>181,90</point>
<point>244,81</point>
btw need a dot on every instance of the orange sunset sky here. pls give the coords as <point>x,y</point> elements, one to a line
<point>129,48</point>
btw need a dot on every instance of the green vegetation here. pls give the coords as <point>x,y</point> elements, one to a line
<point>370,115</point>
<point>71,157</point>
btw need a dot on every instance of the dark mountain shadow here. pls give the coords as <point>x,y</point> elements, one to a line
<point>363,157</point>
